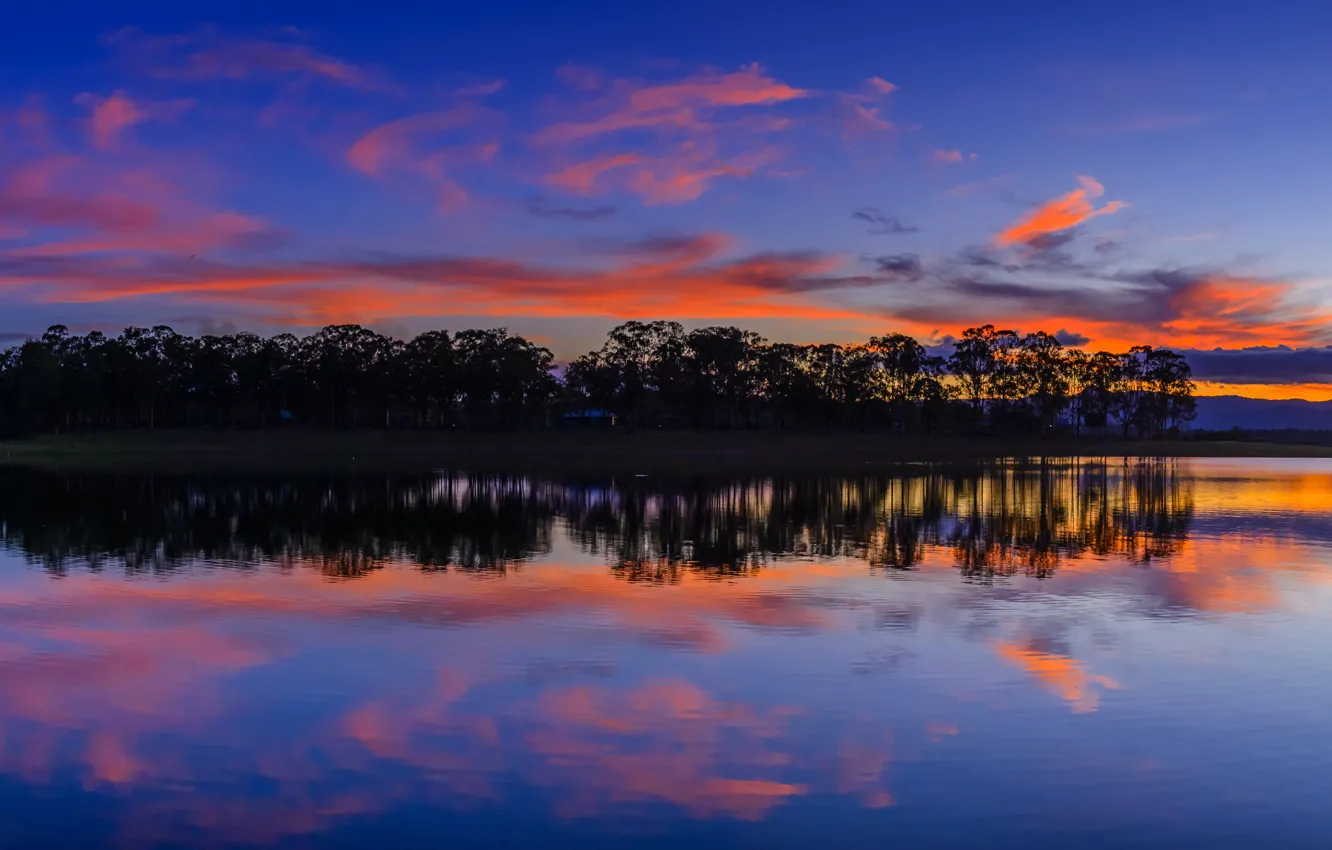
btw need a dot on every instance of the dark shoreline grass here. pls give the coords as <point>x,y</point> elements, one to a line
<point>676,453</point>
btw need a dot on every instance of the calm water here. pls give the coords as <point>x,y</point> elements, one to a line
<point>1035,656</point>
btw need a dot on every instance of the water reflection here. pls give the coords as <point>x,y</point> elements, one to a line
<point>1001,520</point>
<point>203,661</point>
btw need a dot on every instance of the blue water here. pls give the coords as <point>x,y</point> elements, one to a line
<point>1022,655</point>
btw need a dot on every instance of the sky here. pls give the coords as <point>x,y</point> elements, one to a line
<point>1128,173</point>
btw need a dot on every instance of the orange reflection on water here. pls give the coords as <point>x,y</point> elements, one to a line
<point>1065,677</point>
<point>1273,487</point>
<point>99,672</point>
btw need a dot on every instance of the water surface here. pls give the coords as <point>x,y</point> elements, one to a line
<point>1024,654</point>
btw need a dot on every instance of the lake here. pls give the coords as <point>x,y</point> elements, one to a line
<point>1022,654</point>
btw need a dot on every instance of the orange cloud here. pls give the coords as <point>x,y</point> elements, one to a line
<point>643,281</point>
<point>112,115</point>
<point>682,104</point>
<point>746,87</point>
<point>1307,392</point>
<point>659,180</point>
<point>1060,214</point>
<point>1223,311</point>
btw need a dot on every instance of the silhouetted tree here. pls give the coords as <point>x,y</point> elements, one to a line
<point>648,373</point>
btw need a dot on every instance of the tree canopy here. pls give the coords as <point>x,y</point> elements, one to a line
<point>648,374</point>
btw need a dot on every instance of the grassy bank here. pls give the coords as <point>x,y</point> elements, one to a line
<point>654,453</point>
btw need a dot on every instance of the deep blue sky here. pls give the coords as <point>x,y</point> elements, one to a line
<point>1123,172</point>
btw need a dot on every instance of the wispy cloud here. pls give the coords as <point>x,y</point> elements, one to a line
<point>683,104</point>
<point>1061,213</point>
<point>881,223</point>
<point>665,141</point>
<point>545,208</point>
<point>61,204</point>
<point>112,115</point>
<point>580,77</point>
<point>670,179</point>
<point>861,113</point>
<point>880,86</point>
<point>210,54</point>
<point>431,145</point>
<point>1189,237</point>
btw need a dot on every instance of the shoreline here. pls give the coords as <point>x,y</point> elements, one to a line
<point>680,453</point>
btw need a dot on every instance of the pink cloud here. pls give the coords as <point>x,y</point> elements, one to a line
<point>860,113</point>
<point>113,115</point>
<point>208,54</point>
<point>683,104</point>
<point>33,121</point>
<point>582,177</point>
<point>670,179</point>
<point>394,143</point>
<point>484,89</point>
<point>879,86</point>
<point>430,145</point>
<point>946,156</point>
<point>44,193</point>
<point>211,230</point>
<point>580,77</point>
<point>688,132</point>
<point>746,87</point>
<point>66,206</point>
<point>866,118</point>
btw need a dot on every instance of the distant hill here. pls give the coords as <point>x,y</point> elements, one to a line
<point>1231,411</point>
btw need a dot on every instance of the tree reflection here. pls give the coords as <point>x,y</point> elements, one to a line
<point>349,525</point>
<point>1001,519</point>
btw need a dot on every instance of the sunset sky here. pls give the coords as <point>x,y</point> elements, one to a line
<point>1120,173</point>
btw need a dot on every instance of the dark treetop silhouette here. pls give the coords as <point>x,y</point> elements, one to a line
<point>648,374</point>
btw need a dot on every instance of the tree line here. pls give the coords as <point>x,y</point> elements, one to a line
<point>645,375</point>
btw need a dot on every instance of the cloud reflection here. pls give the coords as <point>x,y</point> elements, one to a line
<point>264,659</point>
